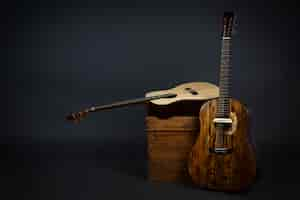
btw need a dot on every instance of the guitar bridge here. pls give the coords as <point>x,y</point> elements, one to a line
<point>220,150</point>
<point>222,121</point>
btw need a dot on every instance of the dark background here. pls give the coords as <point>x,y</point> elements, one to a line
<point>64,55</point>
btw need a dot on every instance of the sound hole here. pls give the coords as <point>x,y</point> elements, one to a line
<point>171,96</point>
<point>190,90</point>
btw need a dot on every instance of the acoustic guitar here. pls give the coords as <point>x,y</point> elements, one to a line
<point>193,91</point>
<point>223,156</point>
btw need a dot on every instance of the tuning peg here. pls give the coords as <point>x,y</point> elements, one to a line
<point>76,117</point>
<point>235,21</point>
<point>235,25</point>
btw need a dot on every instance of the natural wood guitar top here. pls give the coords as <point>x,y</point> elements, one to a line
<point>187,91</point>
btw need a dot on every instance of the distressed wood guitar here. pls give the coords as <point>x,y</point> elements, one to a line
<point>223,156</point>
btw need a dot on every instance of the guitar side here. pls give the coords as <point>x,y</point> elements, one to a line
<point>234,171</point>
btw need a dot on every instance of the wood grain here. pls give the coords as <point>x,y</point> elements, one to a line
<point>231,172</point>
<point>169,142</point>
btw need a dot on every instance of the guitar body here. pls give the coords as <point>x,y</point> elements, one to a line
<point>185,93</point>
<point>233,171</point>
<point>192,91</point>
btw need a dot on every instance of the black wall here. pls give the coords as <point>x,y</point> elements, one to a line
<point>67,55</point>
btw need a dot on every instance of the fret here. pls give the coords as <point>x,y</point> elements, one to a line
<point>225,70</point>
<point>223,105</point>
<point>225,66</point>
<point>224,77</point>
<point>225,63</point>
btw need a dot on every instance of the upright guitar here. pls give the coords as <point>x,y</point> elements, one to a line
<point>223,156</point>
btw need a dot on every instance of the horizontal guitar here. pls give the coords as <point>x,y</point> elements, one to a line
<point>185,92</point>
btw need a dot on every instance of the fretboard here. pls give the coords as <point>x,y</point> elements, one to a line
<point>223,107</point>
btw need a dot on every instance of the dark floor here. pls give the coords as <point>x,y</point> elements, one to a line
<point>114,170</point>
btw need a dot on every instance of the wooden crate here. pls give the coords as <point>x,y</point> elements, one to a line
<point>171,133</point>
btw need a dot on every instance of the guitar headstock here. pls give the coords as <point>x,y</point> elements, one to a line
<point>228,23</point>
<point>76,117</point>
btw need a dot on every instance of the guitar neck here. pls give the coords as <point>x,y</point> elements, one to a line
<point>223,107</point>
<point>129,102</point>
<point>76,117</point>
